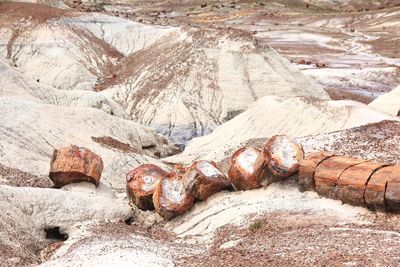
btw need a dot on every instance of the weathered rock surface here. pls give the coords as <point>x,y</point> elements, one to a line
<point>204,179</point>
<point>29,133</point>
<point>213,74</point>
<point>73,165</point>
<point>29,211</point>
<point>271,115</point>
<point>171,198</point>
<point>141,183</point>
<point>388,103</point>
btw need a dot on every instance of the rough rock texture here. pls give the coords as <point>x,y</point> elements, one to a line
<point>141,183</point>
<point>242,172</point>
<point>28,211</point>
<point>171,198</point>
<point>388,103</point>
<point>29,133</point>
<point>212,74</point>
<point>271,115</point>
<point>73,165</point>
<point>204,179</point>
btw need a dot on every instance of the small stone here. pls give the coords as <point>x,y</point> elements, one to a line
<point>204,179</point>
<point>141,183</point>
<point>75,164</point>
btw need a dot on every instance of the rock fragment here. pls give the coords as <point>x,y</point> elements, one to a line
<point>242,169</point>
<point>141,183</point>
<point>279,159</point>
<point>75,164</point>
<point>171,198</point>
<point>204,179</point>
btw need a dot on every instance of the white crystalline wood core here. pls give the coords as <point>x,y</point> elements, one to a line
<point>149,183</point>
<point>173,192</point>
<point>208,169</point>
<point>247,159</point>
<point>286,150</point>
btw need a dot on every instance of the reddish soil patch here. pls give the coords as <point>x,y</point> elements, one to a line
<point>18,178</point>
<point>112,143</point>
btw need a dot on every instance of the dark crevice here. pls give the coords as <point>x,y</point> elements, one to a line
<point>55,234</point>
<point>129,221</point>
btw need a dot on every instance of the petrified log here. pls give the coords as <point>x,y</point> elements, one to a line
<point>279,159</point>
<point>353,182</point>
<point>241,169</point>
<point>307,169</point>
<point>75,164</point>
<point>204,178</point>
<point>328,172</point>
<point>384,179</point>
<point>171,198</point>
<point>141,183</point>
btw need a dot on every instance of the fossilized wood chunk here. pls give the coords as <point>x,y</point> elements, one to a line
<point>141,183</point>
<point>392,195</point>
<point>307,169</point>
<point>242,169</point>
<point>353,182</point>
<point>171,198</point>
<point>375,191</point>
<point>328,172</point>
<point>279,159</point>
<point>204,178</point>
<point>75,164</point>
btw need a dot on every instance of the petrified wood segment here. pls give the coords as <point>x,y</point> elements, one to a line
<point>376,187</point>
<point>75,164</point>
<point>307,169</point>
<point>141,183</point>
<point>171,198</point>
<point>242,168</point>
<point>204,178</point>
<point>328,172</point>
<point>279,159</point>
<point>392,195</point>
<point>353,182</point>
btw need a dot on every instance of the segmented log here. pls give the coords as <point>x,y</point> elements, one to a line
<point>307,169</point>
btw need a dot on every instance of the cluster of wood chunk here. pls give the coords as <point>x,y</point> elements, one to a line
<point>172,193</point>
<point>354,181</point>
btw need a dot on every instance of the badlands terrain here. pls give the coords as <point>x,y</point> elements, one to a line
<point>171,82</point>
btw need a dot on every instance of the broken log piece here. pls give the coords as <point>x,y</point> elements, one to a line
<point>307,169</point>
<point>171,198</point>
<point>141,183</point>
<point>75,164</point>
<point>279,159</point>
<point>328,172</point>
<point>353,182</point>
<point>241,169</point>
<point>376,187</point>
<point>204,179</point>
